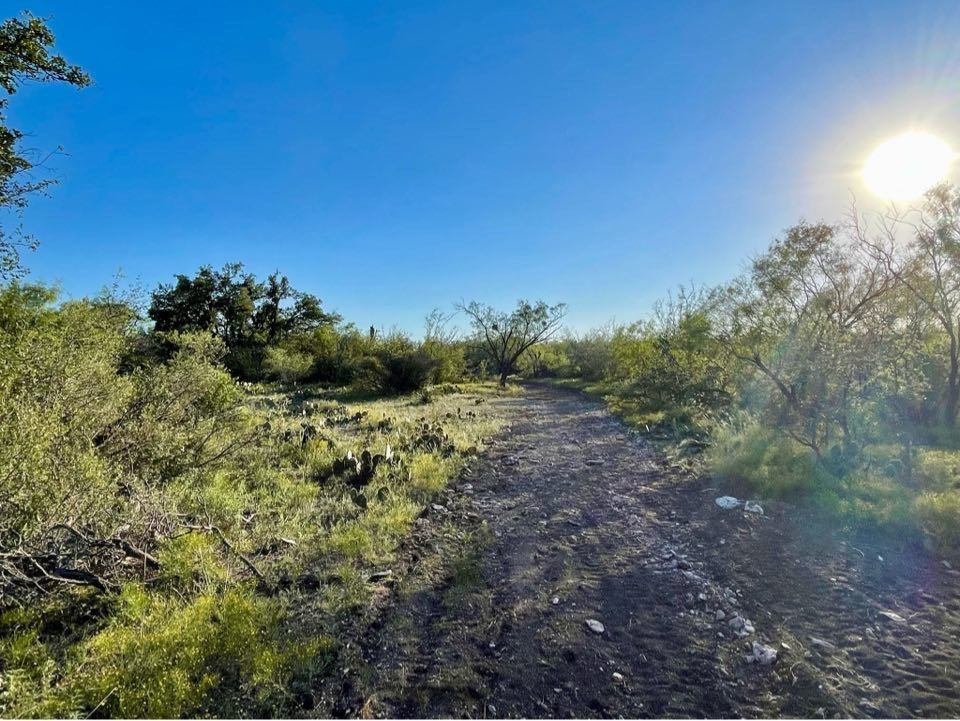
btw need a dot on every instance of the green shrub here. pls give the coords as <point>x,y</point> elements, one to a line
<point>221,655</point>
<point>246,362</point>
<point>183,414</point>
<point>29,669</point>
<point>61,393</point>
<point>396,366</point>
<point>767,464</point>
<point>338,353</point>
<point>591,355</point>
<point>449,360</point>
<point>937,470</point>
<point>548,360</point>
<point>939,516</point>
<point>286,366</point>
<point>192,562</point>
<point>406,372</point>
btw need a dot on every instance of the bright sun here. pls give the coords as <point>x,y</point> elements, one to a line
<point>905,167</point>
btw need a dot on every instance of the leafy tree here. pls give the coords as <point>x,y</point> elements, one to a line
<point>928,267</point>
<point>236,308</point>
<point>505,336</point>
<point>800,319</point>
<point>25,55</point>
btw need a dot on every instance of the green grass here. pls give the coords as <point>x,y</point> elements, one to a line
<point>198,636</point>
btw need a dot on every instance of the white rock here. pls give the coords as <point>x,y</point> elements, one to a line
<point>741,625</point>
<point>753,507</point>
<point>720,615</point>
<point>617,676</point>
<point>595,626</point>
<point>761,654</point>
<point>727,502</point>
<point>896,617</point>
<point>555,600</point>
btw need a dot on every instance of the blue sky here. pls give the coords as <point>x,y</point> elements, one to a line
<point>394,157</point>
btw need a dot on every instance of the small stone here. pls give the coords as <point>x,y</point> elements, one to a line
<point>617,676</point>
<point>753,507</point>
<point>741,625</point>
<point>594,462</point>
<point>727,502</point>
<point>595,626</point>
<point>761,654</point>
<point>895,617</point>
<point>701,596</point>
<point>720,615</point>
<point>555,600</point>
<point>491,709</point>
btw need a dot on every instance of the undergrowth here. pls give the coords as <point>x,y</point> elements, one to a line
<point>210,629</point>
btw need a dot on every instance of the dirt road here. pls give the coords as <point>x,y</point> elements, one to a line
<point>571,517</point>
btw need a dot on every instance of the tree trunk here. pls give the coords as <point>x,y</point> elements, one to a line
<point>504,372</point>
<point>953,387</point>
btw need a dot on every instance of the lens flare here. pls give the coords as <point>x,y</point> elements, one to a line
<point>905,167</point>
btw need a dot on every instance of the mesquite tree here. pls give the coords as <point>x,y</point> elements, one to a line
<point>504,336</point>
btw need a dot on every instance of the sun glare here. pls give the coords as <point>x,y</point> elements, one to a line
<point>905,167</point>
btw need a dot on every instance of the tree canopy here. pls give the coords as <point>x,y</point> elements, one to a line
<point>26,54</point>
<point>233,305</point>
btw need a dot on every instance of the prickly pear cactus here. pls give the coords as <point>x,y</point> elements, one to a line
<point>341,416</point>
<point>432,438</point>
<point>358,471</point>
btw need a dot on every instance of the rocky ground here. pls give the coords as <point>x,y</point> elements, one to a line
<point>581,576</point>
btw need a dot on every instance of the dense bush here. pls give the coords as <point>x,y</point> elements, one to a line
<point>448,359</point>
<point>591,355</point>
<point>61,397</point>
<point>286,366</point>
<point>397,365</point>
